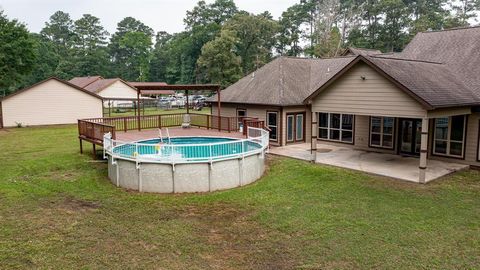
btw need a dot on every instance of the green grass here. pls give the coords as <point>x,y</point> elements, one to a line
<point>58,210</point>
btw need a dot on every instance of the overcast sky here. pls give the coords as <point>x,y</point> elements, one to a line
<point>161,15</point>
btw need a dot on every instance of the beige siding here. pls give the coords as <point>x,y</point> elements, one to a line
<point>118,90</point>
<point>374,96</point>
<point>49,103</point>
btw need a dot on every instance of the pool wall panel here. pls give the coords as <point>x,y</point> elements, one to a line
<point>225,174</point>
<point>157,178</point>
<point>252,169</point>
<point>128,174</point>
<point>112,171</point>
<point>191,177</point>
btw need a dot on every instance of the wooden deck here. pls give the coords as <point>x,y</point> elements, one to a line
<point>175,132</point>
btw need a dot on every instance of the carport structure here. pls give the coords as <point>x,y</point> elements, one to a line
<point>151,88</point>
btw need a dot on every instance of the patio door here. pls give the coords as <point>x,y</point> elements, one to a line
<point>296,127</point>
<point>410,131</point>
<point>241,114</point>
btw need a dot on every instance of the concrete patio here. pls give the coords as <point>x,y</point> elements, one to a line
<point>395,166</point>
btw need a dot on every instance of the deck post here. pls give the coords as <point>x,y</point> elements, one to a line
<point>219,105</point>
<point>81,146</point>
<point>313,139</point>
<point>94,151</point>
<point>188,103</point>
<point>138,110</point>
<point>423,151</point>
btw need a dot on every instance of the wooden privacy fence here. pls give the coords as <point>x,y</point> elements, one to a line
<point>93,129</point>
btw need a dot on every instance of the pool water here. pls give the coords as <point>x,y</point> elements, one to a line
<point>187,148</point>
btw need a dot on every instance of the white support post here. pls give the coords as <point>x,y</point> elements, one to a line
<point>423,151</point>
<point>313,139</point>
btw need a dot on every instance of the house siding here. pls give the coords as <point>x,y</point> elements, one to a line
<point>375,95</point>
<point>118,90</point>
<point>50,103</point>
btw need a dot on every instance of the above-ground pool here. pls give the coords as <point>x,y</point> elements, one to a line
<point>186,164</point>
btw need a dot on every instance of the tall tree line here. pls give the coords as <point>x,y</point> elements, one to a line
<point>220,43</point>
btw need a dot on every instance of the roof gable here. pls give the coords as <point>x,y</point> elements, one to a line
<point>100,85</point>
<point>46,80</point>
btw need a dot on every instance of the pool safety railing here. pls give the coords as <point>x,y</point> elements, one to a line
<point>257,142</point>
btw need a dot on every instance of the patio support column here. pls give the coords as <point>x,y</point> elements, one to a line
<point>423,151</point>
<point>188,104</point>
<point>138,110</point>
<point>219,109</point>
<point>313,139</point>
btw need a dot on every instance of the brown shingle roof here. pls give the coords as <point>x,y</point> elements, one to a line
<point>284,81</point>
<point>360,51</point>
<point>434,83</point>
<point>84,81</point>
<point>458,49</point>
<point>439,69</point>
<point>99,85</point>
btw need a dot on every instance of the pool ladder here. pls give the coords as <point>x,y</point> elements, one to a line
<point>161,136</point>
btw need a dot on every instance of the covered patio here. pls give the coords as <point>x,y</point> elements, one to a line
<point>389,165</point>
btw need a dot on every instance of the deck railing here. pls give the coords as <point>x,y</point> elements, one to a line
<point>94,132</point>
<point>90,129</point>
<point>256,142</point>
<point>252,122</point>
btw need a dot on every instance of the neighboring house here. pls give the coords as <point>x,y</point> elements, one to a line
<point>49,102</point>
<point>424,101</point>
<point>115,91</point>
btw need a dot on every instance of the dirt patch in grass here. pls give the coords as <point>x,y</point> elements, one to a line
<point>238,241</point>
<point>70,204</point>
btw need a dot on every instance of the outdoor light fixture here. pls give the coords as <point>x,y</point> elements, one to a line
<point>363,78</point>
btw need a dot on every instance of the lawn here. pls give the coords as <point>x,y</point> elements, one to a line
<point>58,210</point>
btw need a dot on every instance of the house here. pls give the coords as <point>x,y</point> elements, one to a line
<point>423,101</point>
<point>115,91</point>
<point>49,102</point>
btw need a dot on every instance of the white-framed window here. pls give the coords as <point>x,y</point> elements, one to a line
<point>272,124</point>
<point>381,131</point>
<point>449,136</point>
<point>336,127</point>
